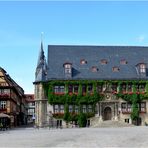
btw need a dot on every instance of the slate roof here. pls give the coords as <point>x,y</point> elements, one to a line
<point>41,68</point>
<point>60,54</point>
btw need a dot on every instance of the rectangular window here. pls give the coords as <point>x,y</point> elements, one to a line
<point>67,65</point>
<point>31,111</point>
<point>76,109</point>
<point>4,91</point>
<point>1,91</point>
<point>68,70</point>
<point>70,88</point>
<point>90,88</point>
<point>56,108</point>
<point>76,88</point>
<point>89,108</point>
<point>123,87</point>
<point>142,107</point>
<point>114,87</point>
<point>129,87</point>
<point>137,87</point>
<point>61,108</point>
<point>99,88</point>
<point>124,107</point>
<point>142,87</point>
<point>84,108</point>
<point>84,88</point>
<point>129,107</point>
<point>127,120</point>
<point>70,108</point>
<point>142,68</point>
<point>3,104</point>
<point>59,89</point>
<point>56,89</point>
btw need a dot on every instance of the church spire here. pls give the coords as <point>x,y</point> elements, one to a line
<point>41,56</point>
<point>41,53</point>
<point>41,69</point>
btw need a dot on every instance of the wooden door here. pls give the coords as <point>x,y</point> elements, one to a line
<point>107,113</point>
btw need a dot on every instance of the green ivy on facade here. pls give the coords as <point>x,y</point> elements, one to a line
<point>95,97</point>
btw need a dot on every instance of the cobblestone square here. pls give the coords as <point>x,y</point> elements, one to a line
<point>85,137</point>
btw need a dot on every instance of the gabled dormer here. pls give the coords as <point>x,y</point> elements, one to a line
<point>141,69</point>
<point>41,70</point>
<point>67,70</point>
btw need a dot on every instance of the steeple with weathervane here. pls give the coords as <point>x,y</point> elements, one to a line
<point>40,97</point>
<point>41,69</point>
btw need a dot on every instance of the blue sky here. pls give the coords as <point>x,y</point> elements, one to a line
<point>83,23</point>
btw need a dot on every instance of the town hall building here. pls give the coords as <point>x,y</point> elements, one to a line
<point>99,82</point>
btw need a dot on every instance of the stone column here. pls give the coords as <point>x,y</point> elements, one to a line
<point>97,107</point>
<point>116,111</point>
<point>100,111</point>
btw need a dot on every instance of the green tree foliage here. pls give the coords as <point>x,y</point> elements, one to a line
<point>135,111</point>
<point>82,120</point>
<point>66,114</point>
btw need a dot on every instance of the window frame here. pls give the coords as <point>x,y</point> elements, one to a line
<point>94,69</point>
<point>3,104</point>
<point>123,62</point>
<point>84,108</point>
<point>59,89</point>
<point>70,108</point>
<point>56,108</point>
<point>103,61</point>
<point>142,67</point>
<point>83,62</point>
<point>115,69</point>
<point>142,107</point>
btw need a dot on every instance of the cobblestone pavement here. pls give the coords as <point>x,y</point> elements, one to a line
<point>85,137</point>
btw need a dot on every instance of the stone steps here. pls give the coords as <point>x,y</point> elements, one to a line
<point>109,123</point>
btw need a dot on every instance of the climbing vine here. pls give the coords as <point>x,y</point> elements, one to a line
<point>73,98</point>
<point>88,98</point>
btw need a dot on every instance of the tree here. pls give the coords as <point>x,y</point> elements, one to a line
<point>82,120</point>
<point>66,114</point>
<point>135,114</point>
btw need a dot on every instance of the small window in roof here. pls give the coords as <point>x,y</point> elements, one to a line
<point>67,65</point>
<point>142,68</point>
<point>123,62</point>
<point>115,69</point>
<point>83,61</point>
<point>104,61</point>
<point>94,69</point>
<point>68,70</point>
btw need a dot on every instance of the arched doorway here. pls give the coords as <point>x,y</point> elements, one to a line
<point>107,113</point>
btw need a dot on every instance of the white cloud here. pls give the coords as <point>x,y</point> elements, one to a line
<point>141,38</point>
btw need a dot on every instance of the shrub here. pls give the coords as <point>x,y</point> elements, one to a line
<point>82,120</point>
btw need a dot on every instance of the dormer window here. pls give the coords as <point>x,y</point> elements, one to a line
<point>104,61</point>
<point>83,61</point>
<point>123,62</point>
<point>68,70</point>
<point>115,69</point>
<point>142,68</point>
<point>94,69</point>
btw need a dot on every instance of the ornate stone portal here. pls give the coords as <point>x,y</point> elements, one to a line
<point>108,109</point>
